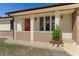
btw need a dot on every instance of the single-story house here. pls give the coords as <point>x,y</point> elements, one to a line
<point>36,24</point>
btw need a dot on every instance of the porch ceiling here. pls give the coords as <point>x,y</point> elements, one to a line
<point>45,14</point>
<point>53,13</point>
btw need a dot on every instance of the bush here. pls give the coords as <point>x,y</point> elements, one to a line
<point>56,33</point>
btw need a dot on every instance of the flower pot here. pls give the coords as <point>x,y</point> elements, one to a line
<point>58,43</point>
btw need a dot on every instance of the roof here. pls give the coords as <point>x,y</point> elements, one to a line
<point>52,5</point>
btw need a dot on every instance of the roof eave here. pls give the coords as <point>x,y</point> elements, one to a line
<point>60,4</point>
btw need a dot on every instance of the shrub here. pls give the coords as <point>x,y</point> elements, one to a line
<point>56,33</point>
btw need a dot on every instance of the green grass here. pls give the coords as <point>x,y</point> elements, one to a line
<point>2,44</point>
<point>10,49</point>
<point>18,50</point>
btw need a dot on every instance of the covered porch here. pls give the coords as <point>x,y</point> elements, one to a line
<point>39,27</point>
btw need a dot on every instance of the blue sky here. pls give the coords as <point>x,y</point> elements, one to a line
<point>7,7</point>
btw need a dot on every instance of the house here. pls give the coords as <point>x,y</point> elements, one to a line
<point>36,24</point>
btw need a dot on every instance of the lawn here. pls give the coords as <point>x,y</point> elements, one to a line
<point>18,50</point>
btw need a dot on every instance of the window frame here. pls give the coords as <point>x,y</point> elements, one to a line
<point>51,18</point>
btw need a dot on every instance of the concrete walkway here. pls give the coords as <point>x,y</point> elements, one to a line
<point>71,48</point>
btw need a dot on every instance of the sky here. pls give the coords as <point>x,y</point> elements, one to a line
<point>8,7</point>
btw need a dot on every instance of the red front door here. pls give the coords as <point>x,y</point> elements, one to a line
<point>27,24</point>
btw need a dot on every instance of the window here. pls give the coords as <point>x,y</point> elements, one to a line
<point>11,25</point>
<point>47,21</point>
<point>41,24</point>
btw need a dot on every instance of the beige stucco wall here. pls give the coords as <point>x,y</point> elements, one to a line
<point>36,24</point>
<point>66,26</point>
<point>20,24</point>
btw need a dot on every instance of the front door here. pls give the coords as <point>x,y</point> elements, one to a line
<point>27,24</point>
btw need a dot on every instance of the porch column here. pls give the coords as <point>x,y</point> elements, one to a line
<point>57,18</point>
<point>50,23</point>
<point>14,30</point>
<point>44,23</point>
<point>32,28</point>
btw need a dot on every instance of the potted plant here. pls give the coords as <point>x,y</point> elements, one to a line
<point>57,36</point>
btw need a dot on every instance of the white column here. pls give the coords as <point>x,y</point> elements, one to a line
<point>50,23</point>
<point>57,18</point>
<point>32,28</point>
<point>44,23</point>
<point>14,29</point>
